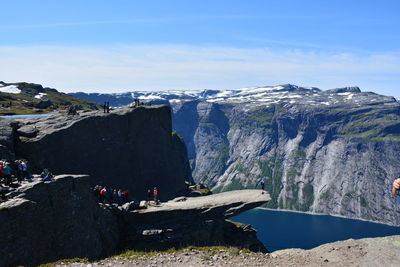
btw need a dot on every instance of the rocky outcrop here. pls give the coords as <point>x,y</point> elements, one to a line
<point>132,149</point>
<point>47,221</point>
<point>195,221</point>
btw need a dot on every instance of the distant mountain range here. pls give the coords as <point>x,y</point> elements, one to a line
<point>287,93</point>
<point>335,151</point>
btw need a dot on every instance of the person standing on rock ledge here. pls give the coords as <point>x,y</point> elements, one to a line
<point>262,183</point>
<point>155,195</point>
<point>148,195</point>
<point>7,171</point>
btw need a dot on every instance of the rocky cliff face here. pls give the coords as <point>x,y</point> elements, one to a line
<point>48,221</point>
<point>132,149</point>
<point>334,151</point>
<point>44,222</point>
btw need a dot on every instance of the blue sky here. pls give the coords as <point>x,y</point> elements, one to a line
<point>115,46</point>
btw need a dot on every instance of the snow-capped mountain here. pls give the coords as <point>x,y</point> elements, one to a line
<point>267,95</point>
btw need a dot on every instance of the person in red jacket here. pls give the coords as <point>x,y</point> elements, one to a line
<point>103,194</point>
<point>155,194</point>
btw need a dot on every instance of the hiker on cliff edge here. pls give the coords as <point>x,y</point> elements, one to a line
<point>148,195</point>
<point>25,173</point>
<point>262,183</point>
<point>103,194</point>
<point>155,195</point>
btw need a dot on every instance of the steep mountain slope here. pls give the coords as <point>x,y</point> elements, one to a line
<point>334,151</point>
<point>30,98</point>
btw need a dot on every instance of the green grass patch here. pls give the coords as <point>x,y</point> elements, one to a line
<point>363,202</point>
<point>209,251</point>
<point>308,197</point>
<point>326,195</point>
<point>300,154</point>
<point>208,125</point>
<point>237,224</point>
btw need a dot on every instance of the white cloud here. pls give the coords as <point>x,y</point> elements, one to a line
<point>159,67</point>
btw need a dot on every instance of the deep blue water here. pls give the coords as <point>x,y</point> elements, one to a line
<point>25,116</point>
<point>280,230</point>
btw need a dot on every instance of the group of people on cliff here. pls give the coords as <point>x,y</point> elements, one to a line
<point>106,107</point>
<point>152,195</point>
<point>11,170</point>
<point>109,196</point>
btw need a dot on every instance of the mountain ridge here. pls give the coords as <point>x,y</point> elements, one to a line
<point>333,151</point>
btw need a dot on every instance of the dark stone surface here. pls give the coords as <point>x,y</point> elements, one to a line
<point>47,221</point>
<point>6,139</point>
<point>132,149</point>
<point>27,131</point>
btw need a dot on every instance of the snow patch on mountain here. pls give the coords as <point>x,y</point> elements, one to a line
<point>40,95</point>
<point>11,89</point>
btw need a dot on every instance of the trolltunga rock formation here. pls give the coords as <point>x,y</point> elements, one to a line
<point>132,149</point>
<point>195,221</point>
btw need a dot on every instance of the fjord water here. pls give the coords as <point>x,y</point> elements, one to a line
<point>281,230</point>
<point>25,116</point>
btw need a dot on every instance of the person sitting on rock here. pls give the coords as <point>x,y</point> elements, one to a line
<point>47,175</point>
<point>44,173</point>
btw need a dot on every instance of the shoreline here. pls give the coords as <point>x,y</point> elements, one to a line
<point>326,214</point>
